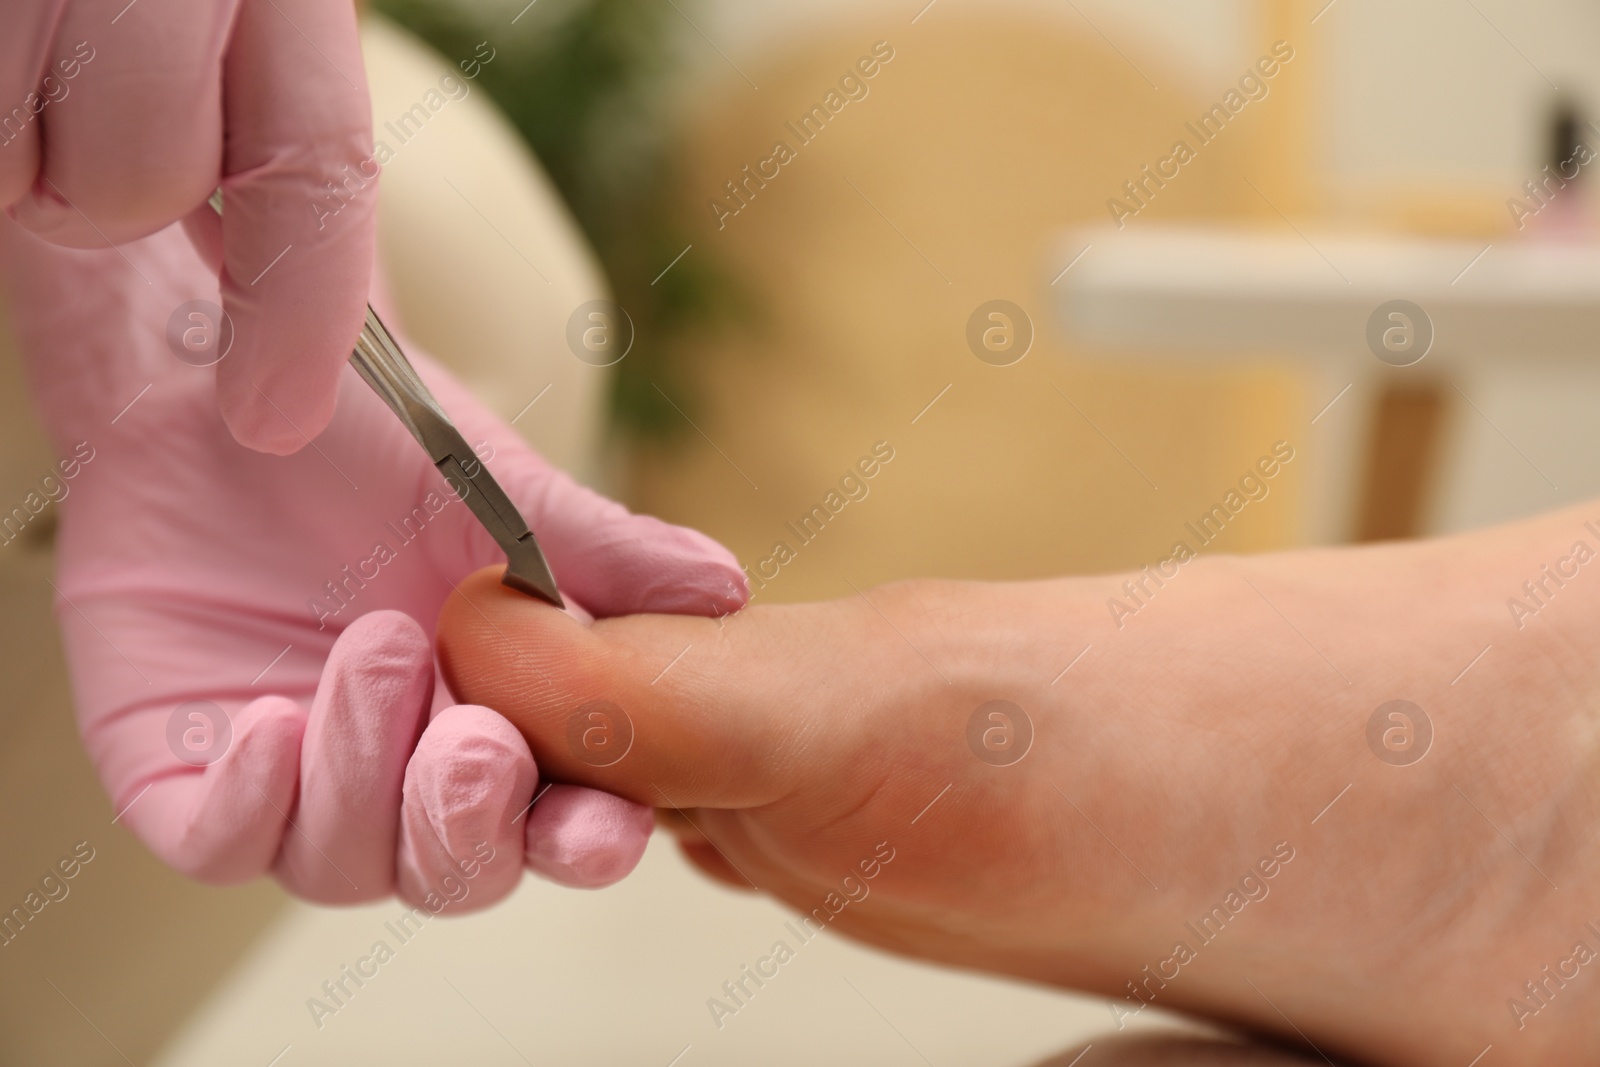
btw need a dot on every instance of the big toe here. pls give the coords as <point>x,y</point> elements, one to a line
<point>655,708</point>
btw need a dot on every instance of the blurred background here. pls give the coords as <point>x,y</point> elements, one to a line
<point>991,254</point>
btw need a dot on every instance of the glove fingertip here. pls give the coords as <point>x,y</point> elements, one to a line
<point>663,569</point>
<point>283,413</point>
<point>586,839</point>
<point>384,640</point>
<point>466,787</point>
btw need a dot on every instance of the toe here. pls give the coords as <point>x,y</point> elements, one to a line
<point>659,709</point>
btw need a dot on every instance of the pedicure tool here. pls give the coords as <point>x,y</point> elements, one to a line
<point>383,366</point>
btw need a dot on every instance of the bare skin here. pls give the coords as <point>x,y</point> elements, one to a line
<point>1215,744</point>
<point>1167,1050</point>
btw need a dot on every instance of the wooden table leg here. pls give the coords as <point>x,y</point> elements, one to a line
<point>1402,454</point>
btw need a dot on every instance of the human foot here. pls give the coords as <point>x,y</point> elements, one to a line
<point>1200,821</point>
<point>1178,1050</point>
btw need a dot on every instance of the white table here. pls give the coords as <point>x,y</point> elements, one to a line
<point>1229,293</point>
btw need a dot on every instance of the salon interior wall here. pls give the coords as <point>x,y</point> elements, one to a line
<point>1431,109</point>
<point>1428,91</point>
<point>1430,94</point>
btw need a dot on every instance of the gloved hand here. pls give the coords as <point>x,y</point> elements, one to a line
<point>118,118</point>
<point>299,595</point>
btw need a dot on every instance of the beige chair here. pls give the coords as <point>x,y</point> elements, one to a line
<point>986,135</point>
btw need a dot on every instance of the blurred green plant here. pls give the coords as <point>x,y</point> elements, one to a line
<point>587,84</point>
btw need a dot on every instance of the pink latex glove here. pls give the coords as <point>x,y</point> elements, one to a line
<point>119,117</point>
<point>187,568</point>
